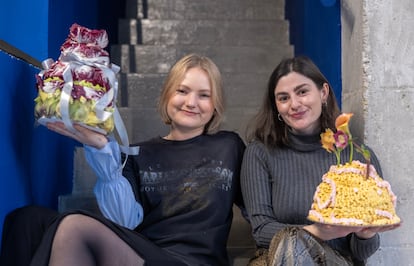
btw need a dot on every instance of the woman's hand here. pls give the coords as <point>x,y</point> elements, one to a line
<point>82,134</point>
<point>369,232</point>
<point>327,232</point>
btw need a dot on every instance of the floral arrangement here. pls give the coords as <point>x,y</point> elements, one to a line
<point>81,86</point>
<point>339,140</point>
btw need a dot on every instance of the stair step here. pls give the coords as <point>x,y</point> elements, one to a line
<point>78,202</point>
<point>245,89</point>
<point>206,9</point>
<point>140,89</point>
<point>143,123</point>
<point>203,32</point>
<point>232,59</point>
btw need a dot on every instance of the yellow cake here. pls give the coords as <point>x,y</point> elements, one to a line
<point>346,196</point>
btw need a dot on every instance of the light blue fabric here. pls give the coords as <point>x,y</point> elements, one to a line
<point>113,192</point>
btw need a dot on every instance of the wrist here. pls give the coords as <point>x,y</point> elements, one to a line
<point>102,140</point>
<point>314,231</point>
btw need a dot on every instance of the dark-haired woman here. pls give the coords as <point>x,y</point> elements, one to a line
<point>282,166</point>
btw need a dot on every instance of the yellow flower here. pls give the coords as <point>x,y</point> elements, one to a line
<point>328,140</point>
<point>341,139</point>
<point>342,122</point>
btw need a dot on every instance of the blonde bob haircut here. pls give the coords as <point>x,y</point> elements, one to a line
<point>176,76</point>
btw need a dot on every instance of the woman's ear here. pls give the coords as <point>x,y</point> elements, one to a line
<point>325,92</point>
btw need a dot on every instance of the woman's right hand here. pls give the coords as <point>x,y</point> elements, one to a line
<point>82,134</point>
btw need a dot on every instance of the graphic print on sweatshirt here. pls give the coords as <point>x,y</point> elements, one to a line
<point>186,188</point>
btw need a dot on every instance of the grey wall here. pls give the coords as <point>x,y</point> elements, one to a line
<point>378,87</point>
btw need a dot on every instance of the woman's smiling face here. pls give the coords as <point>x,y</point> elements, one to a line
<point>190,107</point>
<point>299,102</point>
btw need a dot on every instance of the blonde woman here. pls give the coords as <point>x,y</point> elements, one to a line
<point>172,203</point>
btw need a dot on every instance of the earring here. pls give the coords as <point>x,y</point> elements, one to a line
<point>279,117</point>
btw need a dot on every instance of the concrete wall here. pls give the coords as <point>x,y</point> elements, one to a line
<point>378,86</point>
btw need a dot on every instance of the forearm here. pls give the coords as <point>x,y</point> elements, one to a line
<point>345,240</point>
<point>117,202</point>
<point>264,229</point>
<point>113,192</point>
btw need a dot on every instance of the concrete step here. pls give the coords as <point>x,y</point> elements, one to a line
<point>245,90</point>
<point>73,201</point>
<point>232,59</point>
<point>143,123</point>
<point>202,9</point>
<point>140,89</point>
<point>237,119</point>
<point>240,245</point>
<point>240,89</point>
<point>203,32</point>
<point>244,93</point>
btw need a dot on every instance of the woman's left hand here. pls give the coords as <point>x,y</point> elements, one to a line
<point>328,231</point>
<point>368,232</point>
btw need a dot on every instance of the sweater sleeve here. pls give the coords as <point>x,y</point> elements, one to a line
<point>113,192</point>
<point>359,249</point>
<point>256,190</point>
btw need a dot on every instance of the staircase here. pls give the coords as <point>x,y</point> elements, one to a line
<point>245,38</point>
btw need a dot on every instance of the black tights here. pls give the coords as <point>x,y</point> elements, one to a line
<point>82,240</point>
<point>40,237</point>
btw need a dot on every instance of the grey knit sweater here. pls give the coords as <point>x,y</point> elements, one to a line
<point>278,187</point>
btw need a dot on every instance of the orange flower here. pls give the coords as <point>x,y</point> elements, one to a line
<point>342,122</point>
<point>341,139</point>
<point>328,140</point>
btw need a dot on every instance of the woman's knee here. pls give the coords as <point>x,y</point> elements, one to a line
<point>74,225</point>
